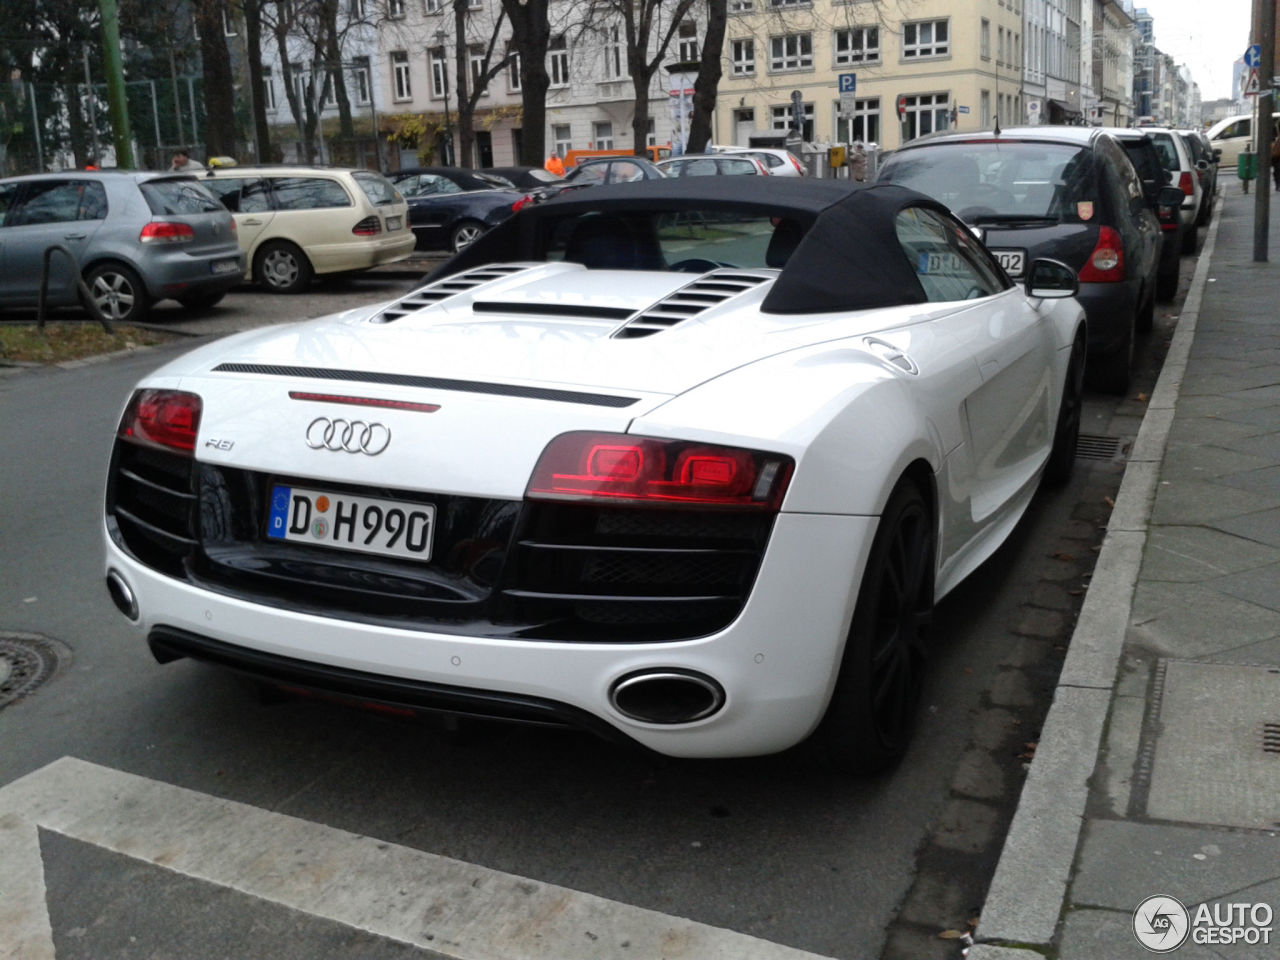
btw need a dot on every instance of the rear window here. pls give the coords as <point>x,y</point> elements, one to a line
<point>1168,152</point>
<point>177,197</point>
<point>376,187</point>
<point>308,193</point>
<point>1001,179</point>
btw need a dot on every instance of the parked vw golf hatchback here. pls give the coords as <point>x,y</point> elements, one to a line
<point>136,238</point>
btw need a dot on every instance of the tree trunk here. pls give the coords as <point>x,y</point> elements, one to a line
<point>466,132</point>
<point>219,92</point>
<point>253,44</point>
<point>706,87</point>
<point>530,34</point>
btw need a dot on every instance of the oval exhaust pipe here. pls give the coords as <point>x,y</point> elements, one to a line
<point>666,696</point>
<point>121,594</point>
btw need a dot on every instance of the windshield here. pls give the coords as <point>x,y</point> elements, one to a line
<point>1003,179</point>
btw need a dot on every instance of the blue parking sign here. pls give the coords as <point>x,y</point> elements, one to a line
<point>848,83</point>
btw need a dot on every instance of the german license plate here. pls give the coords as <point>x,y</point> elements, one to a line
<point>225,266</point>
<point>1013,261</point>
<point>389,528</point>
<point>393,223</point>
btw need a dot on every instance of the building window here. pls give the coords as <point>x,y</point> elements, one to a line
<point>360,70</point>
<point>359,9</point>
<point>401,90</point>
<point>268,90</point>
<point>475,59</point>
<point>782,120</point>
<point>687,50</point>
<point>560,138</point>
<point>984,39</point>
<point>299,80</point>
<point>651,134</point>
<point>744,58</point>
<point>925,113</point>
<point>741,6</point>
<point>439,68</point>
<point>790,3</point>
<point>791,52</point>
<point>395,9</point>
<point>228,23</point>
<point>984,109</point>
<point>558,64</point>
<point>927,38</point>
<point>859,45</point>
<point>434,6</point>
<point>999,44</point>
<point>513,72</point>
<point>615,55</point>
<point>603,134</point>
<point>862,124</point>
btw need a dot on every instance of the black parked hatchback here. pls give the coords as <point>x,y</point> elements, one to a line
<point>1068,193</point>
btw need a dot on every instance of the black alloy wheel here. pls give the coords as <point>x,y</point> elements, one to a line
<point>871,717</point>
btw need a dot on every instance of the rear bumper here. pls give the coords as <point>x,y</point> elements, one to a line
<point>361,254</point>
<point>1110,308</point>
<point>174,273</point>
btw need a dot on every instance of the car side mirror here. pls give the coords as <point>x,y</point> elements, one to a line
<point>1217,154</point>
<point>1051,280</point>
<point>1202,165</point>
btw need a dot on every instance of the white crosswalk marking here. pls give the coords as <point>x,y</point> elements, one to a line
<point>443,905</point>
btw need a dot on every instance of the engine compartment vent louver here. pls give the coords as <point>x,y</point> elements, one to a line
<point>448,287</point>
<point>689,301</point>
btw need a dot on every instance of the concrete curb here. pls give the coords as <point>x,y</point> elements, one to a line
<point>1029,889</point>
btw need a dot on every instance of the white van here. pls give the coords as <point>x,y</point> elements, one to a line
<point>1234,135</point>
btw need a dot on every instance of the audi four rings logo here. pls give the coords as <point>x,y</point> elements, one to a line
<point>353,436</point>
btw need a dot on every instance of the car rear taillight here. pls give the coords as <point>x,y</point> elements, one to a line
<point>796,163</point>
<point>1184,182</point>
<point>628,470</point>
<point>368,227</point>
<point>1106,263</point>
<point>522,203</point>
<point>166,231</point>
<point>162,418</point>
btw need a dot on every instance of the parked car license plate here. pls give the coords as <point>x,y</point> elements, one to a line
<point>1013,261</point>
<point>390,528</point>
<point>225,266</point>
<point>393,223</point>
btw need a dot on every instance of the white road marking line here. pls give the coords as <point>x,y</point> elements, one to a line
<point>448,906</point>
<point>24,917</point>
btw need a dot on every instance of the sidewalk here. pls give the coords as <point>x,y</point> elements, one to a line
<point>1158,769</point>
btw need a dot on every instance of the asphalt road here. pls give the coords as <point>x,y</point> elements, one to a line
<point>776,848</point>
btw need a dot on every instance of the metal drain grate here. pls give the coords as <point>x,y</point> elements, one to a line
<point>1271,738</point>
<point>26,661</point>
<point>1093,446</point>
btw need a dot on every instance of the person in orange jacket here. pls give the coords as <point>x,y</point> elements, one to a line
<point>554,165</point>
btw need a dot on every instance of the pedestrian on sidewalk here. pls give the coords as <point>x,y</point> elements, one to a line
<point>182,162</point>
<point>554,165</point>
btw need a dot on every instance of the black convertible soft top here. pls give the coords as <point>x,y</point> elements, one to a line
<point>850,257</point>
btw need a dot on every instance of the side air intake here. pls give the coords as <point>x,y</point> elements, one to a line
<point>691,300</point>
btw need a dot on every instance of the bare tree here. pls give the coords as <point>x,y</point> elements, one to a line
<point>252,11</point>
<point>707,85</point>
<point>530,36</point>
<point>490,65</point>
<point>649,26</point>
<point>219,89</point>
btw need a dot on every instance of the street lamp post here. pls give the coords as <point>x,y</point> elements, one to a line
<point>444,77</point>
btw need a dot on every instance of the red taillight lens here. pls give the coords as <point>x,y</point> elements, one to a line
<point>522,203</point>
<point>627,469</point>
<point>1106,263</point>
<point>796,163</point>
<point>163,418</point>
<point>368,227</point>
<point>1184,182</point>
<point>165,231</point>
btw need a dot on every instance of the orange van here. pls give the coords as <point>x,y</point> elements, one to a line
<point>655,154</point>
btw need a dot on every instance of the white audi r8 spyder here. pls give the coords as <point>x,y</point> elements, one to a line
<point>675,461</point>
